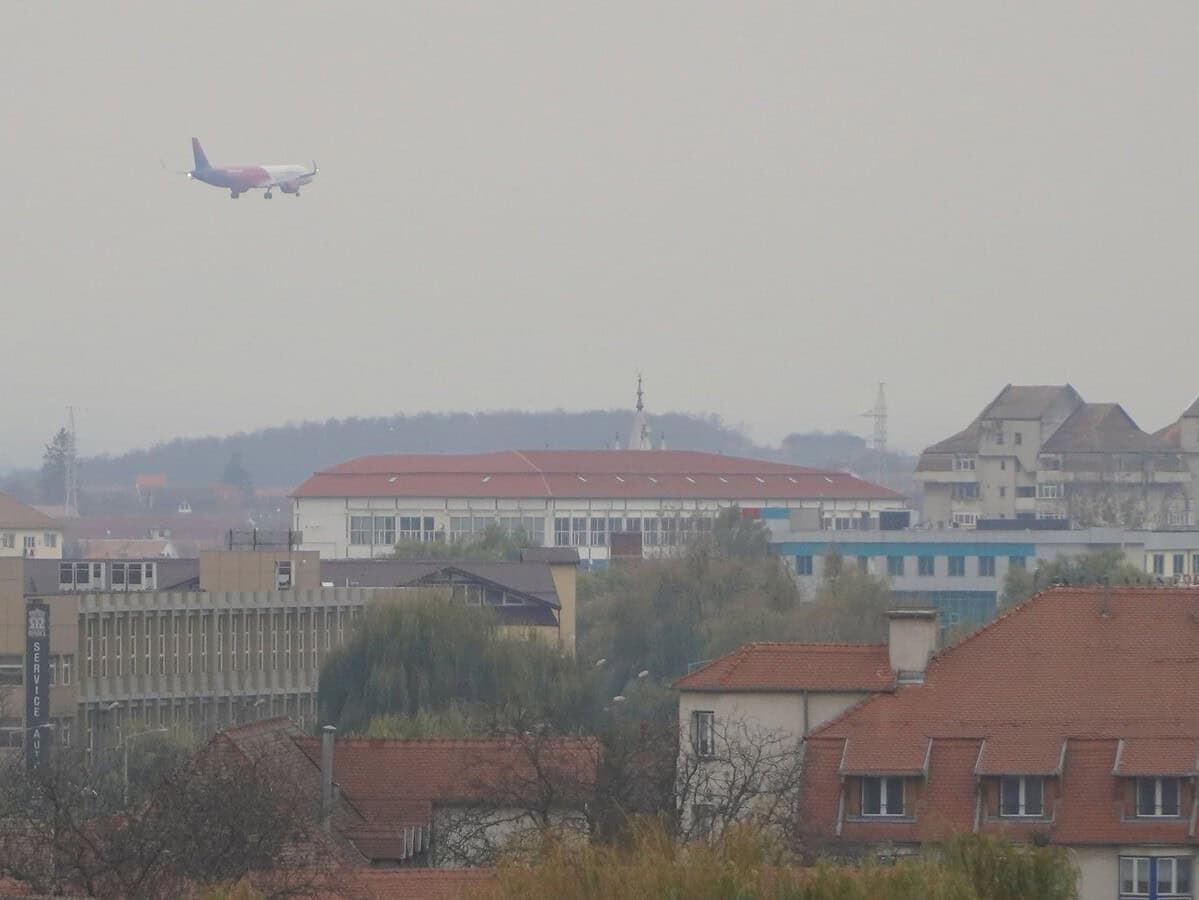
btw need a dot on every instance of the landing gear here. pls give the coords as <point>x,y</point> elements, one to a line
<point>267,196</point>
<point>233,195</point>
<point>297,192</point>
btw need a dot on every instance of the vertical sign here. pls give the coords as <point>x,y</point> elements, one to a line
<point>37,683</point>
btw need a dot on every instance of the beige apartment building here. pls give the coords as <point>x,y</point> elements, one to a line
<point>27,533</point>
<point>1042,452</point>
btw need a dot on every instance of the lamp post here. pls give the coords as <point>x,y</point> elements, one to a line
<point>125,761</point>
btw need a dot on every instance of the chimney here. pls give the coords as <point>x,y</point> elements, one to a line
<point>328,735</point>
<point>911,641</point>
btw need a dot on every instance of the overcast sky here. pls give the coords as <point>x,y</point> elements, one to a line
<point>766,207</point>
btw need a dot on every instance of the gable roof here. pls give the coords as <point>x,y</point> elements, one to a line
<point>1083,667</point>
<point>1192,411</point>
<point>583,474</point>
<point>1102,428</point>
<point>775,666</point>
<point>965,441</point>
<point>529,579</point>
<point>1025,401</point>
<point>15,514</point>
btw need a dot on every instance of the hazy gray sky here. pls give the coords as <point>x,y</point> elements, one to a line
<point>766,207</point>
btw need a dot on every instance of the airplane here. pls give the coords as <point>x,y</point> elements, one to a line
<point>239,179</point>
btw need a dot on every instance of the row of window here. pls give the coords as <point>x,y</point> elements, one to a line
<point>121,576</point>
<point>926,566</point>
<point>596,531</point>
<point>387,530</point>
<point>132,644</point>
<point>1177,564</point>
<point>8,540</point>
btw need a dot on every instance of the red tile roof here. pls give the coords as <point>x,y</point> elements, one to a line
<point>584,474</point>
<point>1082,665</point>
<point>1015,752</point>
<point>903,755</point>
<point>777,666</point>
<point>1157,756</point>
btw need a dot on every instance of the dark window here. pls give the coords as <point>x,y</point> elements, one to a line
<point>986,566</point>
<point>703,737</point>
<point>1026,491</point>
<point>1180,564</point>
<point>894,565</point>
<point>1017,562</point>
<point>803,565</point>
<point>957,565</point>
<point>1157,796</point>
<point>882,796</point>
<point>1159,564</point>
<point>863,564</point>
<point>926,565</point>
<point>1019,438</point>
<point>1021,796</point>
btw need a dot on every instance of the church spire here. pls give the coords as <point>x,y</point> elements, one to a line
<point>640,437</point>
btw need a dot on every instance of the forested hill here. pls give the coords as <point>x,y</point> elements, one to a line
<point>286,455</point>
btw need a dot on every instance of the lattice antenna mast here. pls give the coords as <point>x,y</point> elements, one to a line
<point>71,488</point>
<point>878,441</point>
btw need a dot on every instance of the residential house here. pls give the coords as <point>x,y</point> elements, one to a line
<point>26,532</point>
<point>1067,720</point>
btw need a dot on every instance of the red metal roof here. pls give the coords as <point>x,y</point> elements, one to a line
<point>1085,666</point>
<point>585,474</point>
<point>777,666</point>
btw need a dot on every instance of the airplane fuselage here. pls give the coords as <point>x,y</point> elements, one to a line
<point>239,179</point>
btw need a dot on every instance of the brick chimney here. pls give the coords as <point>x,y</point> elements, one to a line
<point>911,641</point>
<point>328,736</point>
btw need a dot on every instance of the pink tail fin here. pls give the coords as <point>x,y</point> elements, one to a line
<point>198,153</point>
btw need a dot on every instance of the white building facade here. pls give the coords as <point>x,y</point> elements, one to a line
<point>563,498</point>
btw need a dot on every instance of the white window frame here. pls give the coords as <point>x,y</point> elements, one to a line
<point>884,784</point>
<point>1023,782</point>
<point>1158,782</point>
<point>703,733</point>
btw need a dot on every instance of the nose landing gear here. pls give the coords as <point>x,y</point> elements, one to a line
<point>267,196</point>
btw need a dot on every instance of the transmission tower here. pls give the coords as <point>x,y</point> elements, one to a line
<point>71,493</point>
<point>878,441</point>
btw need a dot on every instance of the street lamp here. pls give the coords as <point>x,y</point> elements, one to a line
<point>125,761</point>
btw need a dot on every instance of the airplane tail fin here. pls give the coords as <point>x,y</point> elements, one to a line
<point>198,153</point>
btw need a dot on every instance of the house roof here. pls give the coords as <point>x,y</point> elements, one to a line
<point>393,786</point>
<point>965,441</point>
<point>15,514</point>
<point>1157,756</point>
<point>125,548</point>
<point>1025,401</point>
<point>1192,411</point>
<point>775,667</point>
<point>170,574</point>
<point>1085,666</point>
<point>1102,428</point>
<point>584,474</point>
<point>532,579</point>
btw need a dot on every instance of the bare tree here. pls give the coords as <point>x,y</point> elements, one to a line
<point>744,773</point>
<point>513,790</point>
<point>213,820</point>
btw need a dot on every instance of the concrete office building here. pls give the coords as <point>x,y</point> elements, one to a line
<point>235,636</point>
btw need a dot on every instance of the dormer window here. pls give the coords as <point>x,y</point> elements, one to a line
<point>963,463</point>
<point>1157,796</point>
<point>882,795</point>
<point>1021,795</point>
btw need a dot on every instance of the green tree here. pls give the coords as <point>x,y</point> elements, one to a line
<point>736,537</point>
<point>1093,567</point>
<point>52,480</point>
<point>425,654</point>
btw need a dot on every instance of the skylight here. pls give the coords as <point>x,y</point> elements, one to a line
<point>759,479</point>
<point>621,480</point>
<point>690,480</point>
<point>792,479</point>
<point>486,478</point>
<point>581,478</point>
<point>829,480</point>
<point>652,478</point>
<point>393,479</point>
<point>723,480</point>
